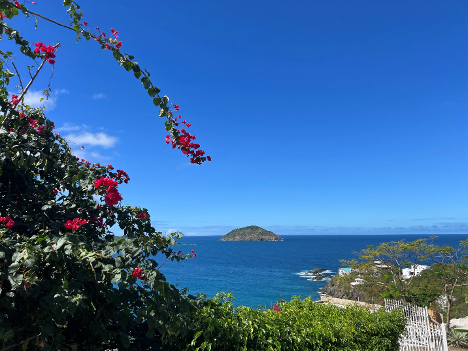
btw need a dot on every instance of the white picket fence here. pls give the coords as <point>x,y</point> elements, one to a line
<point>422,333</point>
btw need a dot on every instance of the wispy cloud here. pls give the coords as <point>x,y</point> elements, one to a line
<point>99,96</point>
<point>93,139</point>
<point>36,98</point>
<point>69,127</point>
<point>85,143</point>
<point>437,218</point>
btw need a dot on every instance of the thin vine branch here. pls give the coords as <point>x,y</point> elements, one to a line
<point>50,20</point>
<point>19,77</point>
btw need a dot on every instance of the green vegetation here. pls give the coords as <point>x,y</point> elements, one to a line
<point>297,325</point>
<point>251,233</point>
<point>457,338</point>
<point>442,287</point>
<point>67,283</point>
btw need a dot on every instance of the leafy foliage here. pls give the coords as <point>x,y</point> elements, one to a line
<point>300,325</point>
<point>380,269</point>
<point>457,338</point>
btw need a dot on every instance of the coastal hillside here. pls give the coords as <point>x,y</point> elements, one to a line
<point>251,233</point>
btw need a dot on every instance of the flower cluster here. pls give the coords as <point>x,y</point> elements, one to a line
<point>276,308</point>
<point>111,42</point>
<point>138,272</point>
<point>142,216</point>
<point>14,100</point>
<point>75,223</point>
<point>122,177</point>
<point>183,140</point>
<point>112,196</point>
<point>48,51</point>
<point>193,254</point>
<point>9,222</point>
<point>105,182</point>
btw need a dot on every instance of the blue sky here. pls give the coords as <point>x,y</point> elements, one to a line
<point>320,116</point>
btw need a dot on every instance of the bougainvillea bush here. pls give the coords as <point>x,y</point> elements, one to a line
<point>68,283</point>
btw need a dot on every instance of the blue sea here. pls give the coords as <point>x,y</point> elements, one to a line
<point>258,273</point>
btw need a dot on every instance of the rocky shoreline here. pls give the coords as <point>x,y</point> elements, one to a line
<point>317,274</point>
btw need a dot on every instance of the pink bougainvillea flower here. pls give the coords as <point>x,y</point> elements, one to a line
<point>9,222</point>
<point>105,182</point>
<point>32,122</point>
<point>112,197</point>
<point>138,272</point>
<point>75,224</point>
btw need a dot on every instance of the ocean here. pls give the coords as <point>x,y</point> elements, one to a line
<point>258,273</point>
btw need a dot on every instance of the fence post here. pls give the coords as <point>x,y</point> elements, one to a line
<point>444,337</point>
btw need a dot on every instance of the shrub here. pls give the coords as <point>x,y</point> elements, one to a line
<point>300,325</point>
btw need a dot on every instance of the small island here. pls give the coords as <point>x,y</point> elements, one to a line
<point>251,233</point>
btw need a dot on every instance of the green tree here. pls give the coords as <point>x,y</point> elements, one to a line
<point>451,269</point>
<point>382,266</point>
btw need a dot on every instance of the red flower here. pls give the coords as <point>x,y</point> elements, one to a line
<point>105,182</point>
<point>112,197</point>
<point>194,255</point>
<point>138,272</point>
<point>85,23</point>
<point>14,100</point>
<point>32,122</point>
<point>75,224</point>
<point>9,222</point>
<point>276,308</point>
<point>192,251</point>
<point>40,129</point>
<point>142,216</point>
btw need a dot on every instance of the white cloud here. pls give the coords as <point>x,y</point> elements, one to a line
<point>92,156</point>
<point>99,96</point>
<point>69,127</point>
<point>94,139</point>
<point>33,98</point>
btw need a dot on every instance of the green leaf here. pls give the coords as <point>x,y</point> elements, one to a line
<point>153,91</point>
<point>146,82</point>
<point>67,2</point>
<point>60,243</point>
<point>156,101</point>
<point>119,263</point>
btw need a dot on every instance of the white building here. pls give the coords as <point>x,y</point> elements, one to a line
<point>414,270</point>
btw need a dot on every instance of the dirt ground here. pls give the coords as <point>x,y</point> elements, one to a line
<point>456,349</point>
